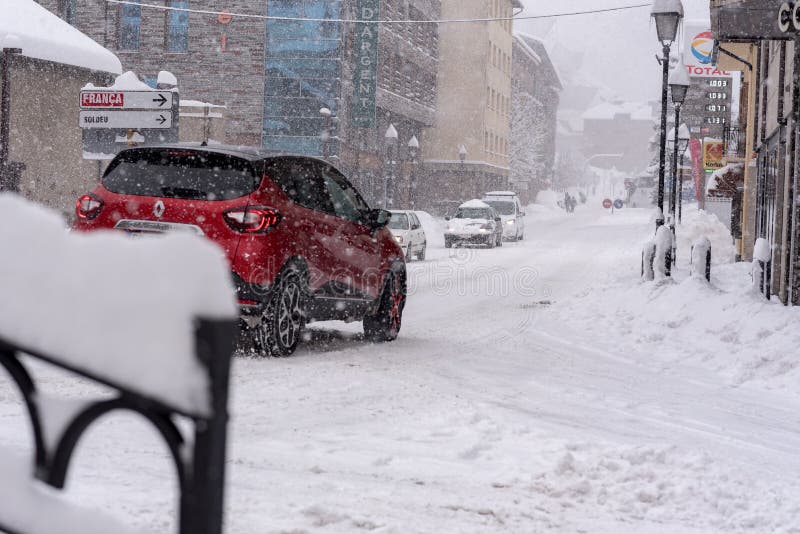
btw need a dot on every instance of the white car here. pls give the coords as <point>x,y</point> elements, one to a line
<point>507,205</point>
<point>408,232</point>
<point>476,223</point>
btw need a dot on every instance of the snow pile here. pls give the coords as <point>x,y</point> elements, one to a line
<point>127,81</point>
<point>42,35</point>
<point>723,325</point>
<point>661,485</point>
<point>696,224</point>
<point>119,308</point>
<point>549,198</point>
<point>29,506</point>
<point>434,229</point>
<point>474,203</point>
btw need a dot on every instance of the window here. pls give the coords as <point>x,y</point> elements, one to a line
<point>67,10</point>
<point>299,179</point>
<point>347,203</point>
<point>178,27</point>
<point>130,22</point>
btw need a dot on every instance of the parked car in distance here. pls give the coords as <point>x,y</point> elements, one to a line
<point>507,205</point>
<point>407,230</point>
<point>474,222</point>
<point>301,242</point>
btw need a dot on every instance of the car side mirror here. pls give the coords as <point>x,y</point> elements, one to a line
<point>378,218</point>
<point>447,218</point>
<point>498,219</point>
<point>522,214</point>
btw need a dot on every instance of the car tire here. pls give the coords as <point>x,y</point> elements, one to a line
<point>284,318</point>
<point>409,255</point>
<point>384,324</point>
<point>421,254</point>
<point>500,240</point>
<point>448,243</point>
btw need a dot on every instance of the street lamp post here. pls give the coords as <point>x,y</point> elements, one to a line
<point>413,150</point>
<point>462,157</point>
<point>5,117</point>
<point>684,138</point>
<point>679,83</point>
<point>388,180</point>
<point>326,130</point>
<point>668,15</point>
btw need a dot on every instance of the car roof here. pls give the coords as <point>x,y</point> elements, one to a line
<point>499,194</point>
<point>250,153</point>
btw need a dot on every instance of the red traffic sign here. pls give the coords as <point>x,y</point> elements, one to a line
<point>607,203</point>
<point>101,99</point>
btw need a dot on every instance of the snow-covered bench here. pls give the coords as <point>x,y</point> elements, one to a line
<point>152,319</point>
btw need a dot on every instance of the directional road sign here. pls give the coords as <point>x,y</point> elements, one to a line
<point>99,99</point>
<point>619,204</point>
<point>109,119</point>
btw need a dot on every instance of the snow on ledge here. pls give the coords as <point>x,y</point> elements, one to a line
<point>42,35</point>
<point>119,308</point>
<point>29,506</point>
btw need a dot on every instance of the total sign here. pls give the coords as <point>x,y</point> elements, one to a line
<point>699,52</point>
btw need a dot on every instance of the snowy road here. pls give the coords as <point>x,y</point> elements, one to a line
<point>493,412</point>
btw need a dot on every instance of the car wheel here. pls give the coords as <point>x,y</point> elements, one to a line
<point>384,325</point>
<point>500,240</point>
<point>421,254</point>
<point>448,243</point>
<point>409,255</point>
<point>284,318</point>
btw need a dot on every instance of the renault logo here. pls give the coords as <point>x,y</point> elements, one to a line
<point>158,209</point>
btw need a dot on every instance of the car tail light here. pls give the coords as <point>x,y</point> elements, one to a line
<point>252,219</point>
<point>88,206</point>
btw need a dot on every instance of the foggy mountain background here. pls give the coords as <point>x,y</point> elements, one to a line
<point>615,51</point>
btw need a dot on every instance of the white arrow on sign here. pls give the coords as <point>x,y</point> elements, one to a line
<point>125,119</point>
<point>100,99</point>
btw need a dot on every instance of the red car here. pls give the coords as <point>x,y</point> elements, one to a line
<point>302,243</point>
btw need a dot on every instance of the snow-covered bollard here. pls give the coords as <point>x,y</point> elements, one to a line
<point>762,258</point>
<point>701,259</point>
<point>662,264</point>
<point>648,256</point>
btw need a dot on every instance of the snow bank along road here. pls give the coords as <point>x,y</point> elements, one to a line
<point>501,408</point>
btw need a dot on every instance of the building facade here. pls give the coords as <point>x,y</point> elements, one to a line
<point>764,142</point>
<point>535,89</point>
<point>45,148</point>
<point>473,108</point>
<point>275,72</point>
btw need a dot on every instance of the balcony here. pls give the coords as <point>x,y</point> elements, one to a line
<point>735,139</point>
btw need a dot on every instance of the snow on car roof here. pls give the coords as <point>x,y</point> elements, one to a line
<point>500,194</point>
<point>121,309</point>
<point>475,203</point>
<point>42,35</point>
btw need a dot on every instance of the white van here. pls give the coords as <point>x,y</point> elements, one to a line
<point>507,205</point>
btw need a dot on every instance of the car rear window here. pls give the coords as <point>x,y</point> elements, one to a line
<point>399,221</point>
<point>181,174</point>
<point>503,207</point>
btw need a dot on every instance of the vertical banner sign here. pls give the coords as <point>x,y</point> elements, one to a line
<point>365,75</point>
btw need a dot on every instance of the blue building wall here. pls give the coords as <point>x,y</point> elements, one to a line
<point>303,74</point>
